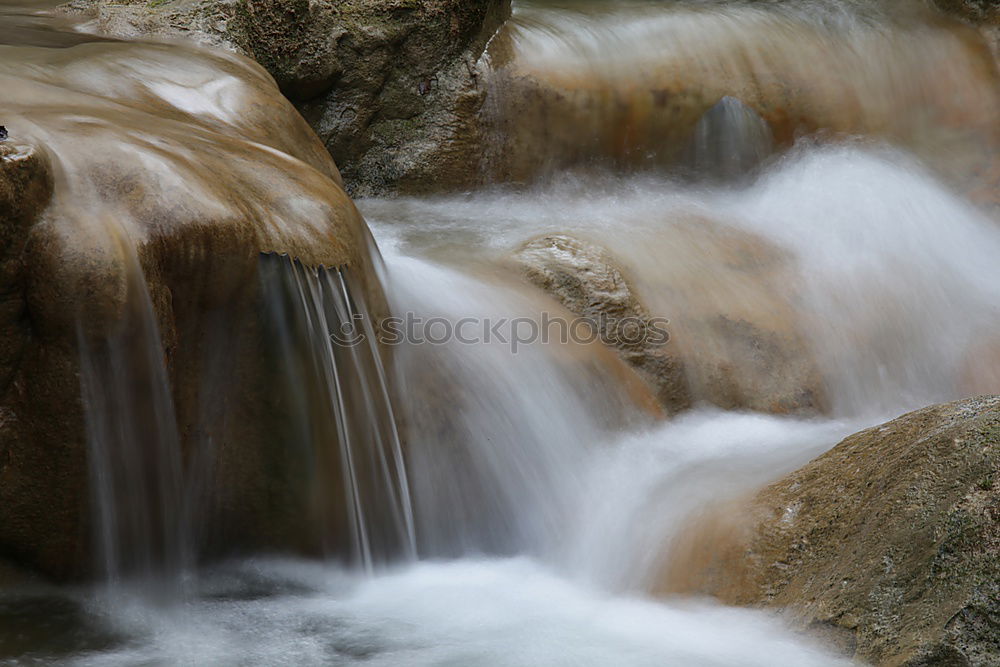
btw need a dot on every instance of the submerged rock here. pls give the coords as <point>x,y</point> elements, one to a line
<point>735,339</point>
<point>584,278</point>
<point>390,86</point>
<point>137,192</point>
<point>887,544</point>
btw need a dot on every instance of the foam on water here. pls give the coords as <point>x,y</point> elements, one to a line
<point>469,612</point>
<point>639,492</point>
<point>901,274</point>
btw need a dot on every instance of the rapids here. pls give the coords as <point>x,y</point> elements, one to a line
<point>482,505</point>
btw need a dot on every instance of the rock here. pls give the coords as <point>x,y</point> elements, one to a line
<point>979,12</point>
<point>980,370</point>
<point>584,278</point>
<point>984,15</point>
<point>25,190</point>
<point>391,86</point>
<point>138,188</point>
<point>888,542</point>
<point>627,87</point>
<point>12,576</point>
<point>735,339</point>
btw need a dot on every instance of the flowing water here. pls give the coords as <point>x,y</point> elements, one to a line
<point>343,394</point>
<point>487,504</point>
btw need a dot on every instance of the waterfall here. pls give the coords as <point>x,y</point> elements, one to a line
<point>149,493</point>
<point>334,371</point>
<point>730,141</point>
<point>628,85</point>
<point>495,434</point>
<point>135,456</point>
<point>302,460</point>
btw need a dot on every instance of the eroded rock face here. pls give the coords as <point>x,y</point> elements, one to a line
<point>138,188</point>
<point>390,86</point>
<point>887,544</point>
<point>584,278</point>
<point>735,339</point>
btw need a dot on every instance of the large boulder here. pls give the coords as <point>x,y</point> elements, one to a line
<point>887,544</point>
<point>391,86</point>
<point>139,186</point>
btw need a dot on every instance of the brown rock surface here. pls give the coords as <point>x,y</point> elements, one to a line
<point>888,544</point>
<point>735,339</point>
<point>585,279</point>
<point>390,86</point>
<point>138,188</point>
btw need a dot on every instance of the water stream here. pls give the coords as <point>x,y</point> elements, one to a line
<point>478,504</point>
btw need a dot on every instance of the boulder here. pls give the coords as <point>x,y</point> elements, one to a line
<point>139,186</point>
<point>585,279</point>
<point>887,544</point>
<point>390,86</point>
<point>723,297</point>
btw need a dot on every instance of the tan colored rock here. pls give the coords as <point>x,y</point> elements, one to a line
<point>887,544</point>
<point>980,370</point>
<point>390,86</point>
<point>138,188</point>
<point>627,87</point>
<point>735,337</point>
<point>584,278</point>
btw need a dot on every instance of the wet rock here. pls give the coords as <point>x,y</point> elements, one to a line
<point>133,224</point>
<point>984,15</point>
<point>391,86</point>
<point>980,370</point>
<point>25,190</point>
<point>565,89</point>
<point>585,279</point>
<point>12,576</point>
<point>889,541</point>
<point>984,12</point>
<point>735,339</point>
